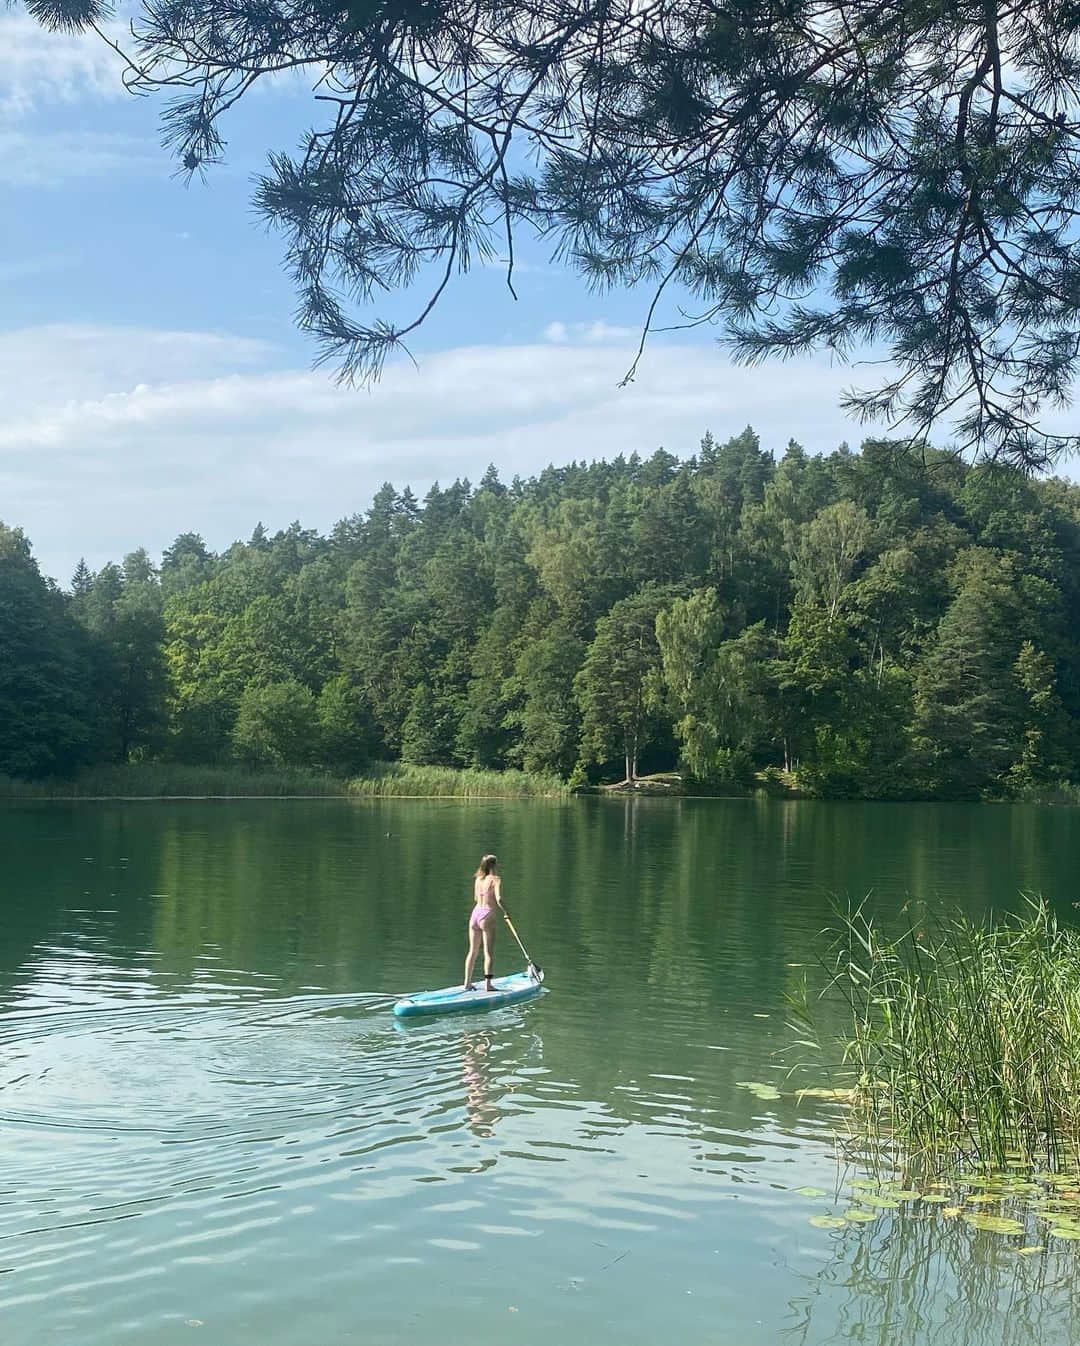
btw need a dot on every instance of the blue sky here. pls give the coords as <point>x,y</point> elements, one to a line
<point>153,381</point>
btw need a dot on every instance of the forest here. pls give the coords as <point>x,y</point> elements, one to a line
<point>883,623</point>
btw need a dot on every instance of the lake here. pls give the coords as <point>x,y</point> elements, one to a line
<point>214,1130</point>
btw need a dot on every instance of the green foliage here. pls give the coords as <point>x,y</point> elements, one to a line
<point>618,685</point>
<point>345,730</point>
<point>966,732</point>
<point>46,690</point>
<point>719,690</point>
<point>1043,760</point>
<point>881,624</point>
<point>276,725</point>
<point>423,737</point>
<point>549,718</point>
<point>121,609</point>
<point>830,548</point>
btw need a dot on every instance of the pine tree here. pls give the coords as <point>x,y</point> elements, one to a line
<point>869,174</point>
<point>81,579</point>
<point>1044,752</point>
<point>966,731</point>
<point>422,734</point>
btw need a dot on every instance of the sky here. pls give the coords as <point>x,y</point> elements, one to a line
<point>152,380</point>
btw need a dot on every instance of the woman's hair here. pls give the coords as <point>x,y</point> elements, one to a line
<point>487,866</point>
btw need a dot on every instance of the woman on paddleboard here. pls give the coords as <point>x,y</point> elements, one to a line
<point>487,905</point>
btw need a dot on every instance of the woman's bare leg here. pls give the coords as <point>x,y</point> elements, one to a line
<point>488,931</point>
<point>470,957</point>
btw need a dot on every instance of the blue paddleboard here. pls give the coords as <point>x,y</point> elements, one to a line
<point>455,1000</point>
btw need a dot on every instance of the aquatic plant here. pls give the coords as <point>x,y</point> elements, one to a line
<point>963,1040</point>
<point>388,779</point>
<point>153,780</point>
<point>150,780</point>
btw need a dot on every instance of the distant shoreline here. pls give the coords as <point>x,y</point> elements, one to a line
<point>147,781</point>
<point>381,780</point>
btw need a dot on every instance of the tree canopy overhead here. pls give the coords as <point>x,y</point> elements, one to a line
<point>892,178</point>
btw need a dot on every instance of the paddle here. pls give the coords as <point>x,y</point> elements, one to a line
<point>534,971</point>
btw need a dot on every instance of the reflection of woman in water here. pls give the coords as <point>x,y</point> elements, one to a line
<point>487,904</point>
<point>479,1109</point>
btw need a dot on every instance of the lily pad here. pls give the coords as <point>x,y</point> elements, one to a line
<point>903,1194</point>
<point>828,1221</point>
<point>878,1202</point>
<point>996,1224</point>
<point>1058,1231</point>
<point>1035,1248</point>
<point>809,1191</point>
<point>768,1093</point>
<point>935,1198</point>
<point>950,1211</point>
<point>976,1197</point>
<point>860,1215</point>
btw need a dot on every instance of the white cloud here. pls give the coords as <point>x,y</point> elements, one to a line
<point>597,333</point>
<point>47,159</point>
<point>114,438</point>
<point>37,66</point>
<point>56,74</point>
<point>43,368</point>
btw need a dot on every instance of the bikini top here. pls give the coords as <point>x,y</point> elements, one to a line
<point>484,890</point>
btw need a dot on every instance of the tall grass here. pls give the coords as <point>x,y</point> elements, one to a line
<point>1064,792</point>
<point>150,780</point>
<point>965,1042</point>
<point>162,780</point>
<point>389,779</point>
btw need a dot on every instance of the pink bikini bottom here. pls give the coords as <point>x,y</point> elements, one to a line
<point>479,916</point>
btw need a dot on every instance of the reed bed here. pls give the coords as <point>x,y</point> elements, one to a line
<point>398,779</point>
<point>964,1040</point>
<point>164,780</point>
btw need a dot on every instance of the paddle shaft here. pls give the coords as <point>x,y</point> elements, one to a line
<point>515,934</point>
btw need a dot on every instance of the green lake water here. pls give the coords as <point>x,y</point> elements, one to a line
<point>214,1131</point>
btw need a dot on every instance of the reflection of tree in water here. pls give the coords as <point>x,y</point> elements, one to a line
<point>933,1280</point>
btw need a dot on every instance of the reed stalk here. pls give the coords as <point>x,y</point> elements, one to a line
<point>963,1039</point>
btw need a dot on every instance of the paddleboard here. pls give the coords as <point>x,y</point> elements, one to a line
<point>456,1000</point>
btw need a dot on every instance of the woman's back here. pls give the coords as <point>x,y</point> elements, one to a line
<point>484,890</point>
